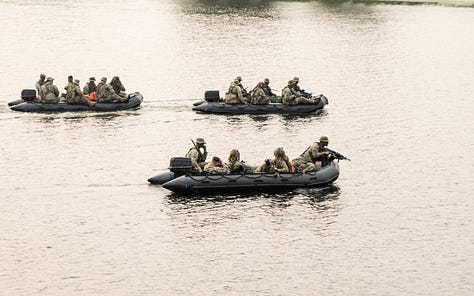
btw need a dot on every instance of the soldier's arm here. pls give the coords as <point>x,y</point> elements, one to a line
<point>193,154</point>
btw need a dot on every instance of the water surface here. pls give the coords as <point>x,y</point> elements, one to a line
<point>78,217</point>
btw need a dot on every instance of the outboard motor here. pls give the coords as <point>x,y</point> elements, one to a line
<point>212,96</point>
<point>28,95</point>
<point>180,166</point>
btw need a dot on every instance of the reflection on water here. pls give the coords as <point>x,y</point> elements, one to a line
<point>316,195</point>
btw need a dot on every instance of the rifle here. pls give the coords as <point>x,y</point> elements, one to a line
<point>245,93</point>
<point>336,155</point>
<point>201,156</point>
<point>306,94</point>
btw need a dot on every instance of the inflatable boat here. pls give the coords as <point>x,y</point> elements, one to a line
<point>213,105</point>
<point>187,183</point>
<point>22,105</point>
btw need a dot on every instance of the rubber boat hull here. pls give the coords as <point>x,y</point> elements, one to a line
<point>197,184</point>
<point>134,102</point>
<point>16,102</point>
<point>162,178</point>
<point>272,108</point>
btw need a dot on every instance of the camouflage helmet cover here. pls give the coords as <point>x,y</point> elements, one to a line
<point>200,141</point>
<point>323,139</point>
<point>234,155</point>
<point>279,152</point>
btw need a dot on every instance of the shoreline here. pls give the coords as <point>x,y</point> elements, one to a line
<point>455,3</point>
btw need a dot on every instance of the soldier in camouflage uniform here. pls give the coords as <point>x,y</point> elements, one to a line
<point>290,96</point>
<point>258,95</point>
<point>279,164</point>
<point>68,88</point>
<point>38,85</point>
<point>118,87</point>
<point>216,167</point>
<point>237,166</point>
<point>103,81</point>
<point>50,92</point>
<point>282,162</point>
<point>235,93</point>
<point>90,87</point>
<point>267,89</point>
<point>106,93</point>
<point>303,93</point>
<point>77,97</point>
<point>198,159</point>
<point>313,157</point>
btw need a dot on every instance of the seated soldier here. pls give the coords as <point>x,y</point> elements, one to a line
<point>237,166</point>
<point>38,86</point>
<point>290,96</point>
<point>235,93</point>
<point>106,93</point>
<point>198,158</point>
<point>216,167</point>
<point>49,92</point>
<point>76,97</point>
<point>118,87</point>
<point>313,157</point>
<point>267,89</point>
<point>258,95</point>
<point>90,87</point>
<point>267,167</point>
<point>280,164</point>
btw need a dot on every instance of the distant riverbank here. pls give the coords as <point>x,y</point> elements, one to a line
<point>463,3</point>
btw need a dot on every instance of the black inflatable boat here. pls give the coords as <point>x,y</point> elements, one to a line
<point>213,104</point>
<point>30,106</point>
<point>176,181</point>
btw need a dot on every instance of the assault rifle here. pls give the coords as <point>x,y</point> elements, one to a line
<point>201,156</point>
<point>306,94</point>
<point>245,93</point>
<point>336,155</point>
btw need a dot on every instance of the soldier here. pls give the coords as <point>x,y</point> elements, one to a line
<point>103,81</point>
<point>38,85</point>
<point>258,95</point>
<point>280,164</point>
<point>235,93</point>
<point>216,167</point>
<point>267,89</point>
<point>77,97</point>
<point>118,87</point>
<point>68,88</point>
<point>267,167</point>
<point>313,157</point>
<point>298,90</point>
<point>236,165</point>
<point>291,97</point>
<point>198,159</point>
<point>50,92</point>
<point>90,87</point>
<point>106,93</point>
